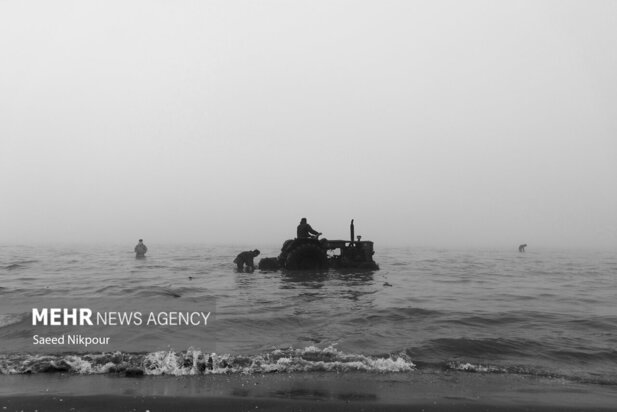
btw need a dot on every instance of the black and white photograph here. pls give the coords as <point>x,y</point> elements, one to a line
<point>342,205</point>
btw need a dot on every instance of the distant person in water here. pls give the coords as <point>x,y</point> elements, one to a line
<point>140,249</point>
<point>305,230</point>
<point>522,247</point>
<point>246,258</point>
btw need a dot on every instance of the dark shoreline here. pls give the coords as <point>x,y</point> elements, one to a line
<point>302,392</point>
<point>191,404</point>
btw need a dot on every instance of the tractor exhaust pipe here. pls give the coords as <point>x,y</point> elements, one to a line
<point>351,230</point>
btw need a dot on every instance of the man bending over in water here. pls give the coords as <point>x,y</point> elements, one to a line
<point>246,258</point>
<point>522,247</point>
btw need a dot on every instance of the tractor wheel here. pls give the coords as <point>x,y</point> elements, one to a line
<point>307,257</point>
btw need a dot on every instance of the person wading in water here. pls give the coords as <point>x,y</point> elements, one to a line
<point>140,249</point>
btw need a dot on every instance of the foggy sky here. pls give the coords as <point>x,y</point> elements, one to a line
<point>431,123</point>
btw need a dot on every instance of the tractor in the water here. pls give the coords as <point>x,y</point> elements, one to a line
<point>322,254</point>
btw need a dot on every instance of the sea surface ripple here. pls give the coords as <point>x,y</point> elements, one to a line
<point>543,312</point>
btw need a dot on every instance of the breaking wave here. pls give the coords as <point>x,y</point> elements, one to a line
<point>195,362</point>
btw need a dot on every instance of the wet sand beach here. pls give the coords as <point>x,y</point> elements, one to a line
<point>303,392</point>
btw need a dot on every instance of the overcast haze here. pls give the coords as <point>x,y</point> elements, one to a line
<point>445,123</point>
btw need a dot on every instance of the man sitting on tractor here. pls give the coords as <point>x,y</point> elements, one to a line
<point>305,230</point>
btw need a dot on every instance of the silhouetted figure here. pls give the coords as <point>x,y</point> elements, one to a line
<point>305,230</point>
<point>522,247</point>
<point>140,249</point>
<point>246,258</point>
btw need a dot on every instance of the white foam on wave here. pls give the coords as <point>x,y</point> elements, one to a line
<point>87,366</point>
<point>469,367</point>
<point>195,362</point>
<point>172,363</point>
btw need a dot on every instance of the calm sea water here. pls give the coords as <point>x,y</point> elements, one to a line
<point>543,312</point>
